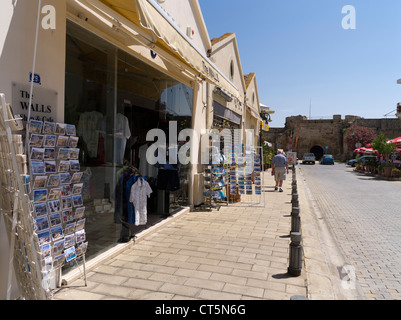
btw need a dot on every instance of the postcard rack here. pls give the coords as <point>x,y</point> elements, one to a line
<point>41,202</point>
<point>215,181</point>
<point>15,210</point>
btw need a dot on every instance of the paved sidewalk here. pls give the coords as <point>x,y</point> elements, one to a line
<point>238,252</point>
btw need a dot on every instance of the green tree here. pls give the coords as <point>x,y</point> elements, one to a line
<point>383,146</point>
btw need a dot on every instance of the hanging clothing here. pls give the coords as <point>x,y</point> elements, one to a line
<point>118,133</point>
<point>140,192</point>
<point>130,205</point>
<point>120,194</point>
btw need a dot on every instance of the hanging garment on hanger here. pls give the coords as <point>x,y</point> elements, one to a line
<point>140,192</point>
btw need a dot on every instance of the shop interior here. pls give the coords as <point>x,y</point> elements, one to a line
<point>114,99</point>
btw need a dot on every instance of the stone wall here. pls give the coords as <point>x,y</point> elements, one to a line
<point>317,135</point>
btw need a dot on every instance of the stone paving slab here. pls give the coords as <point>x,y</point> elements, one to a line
<point>237,252</point>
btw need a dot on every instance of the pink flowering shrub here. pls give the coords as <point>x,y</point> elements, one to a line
<point>360,134</point>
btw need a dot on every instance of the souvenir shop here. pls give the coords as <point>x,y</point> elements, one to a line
<point>115,99</point>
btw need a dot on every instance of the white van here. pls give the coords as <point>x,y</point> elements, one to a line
<point>309,158</point>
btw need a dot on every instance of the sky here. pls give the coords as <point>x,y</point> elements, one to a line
<point>306,63</point>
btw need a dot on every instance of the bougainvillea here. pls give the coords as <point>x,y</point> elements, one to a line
<point>355,134</point>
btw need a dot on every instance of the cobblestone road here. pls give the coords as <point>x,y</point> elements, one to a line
<point>364,214</point>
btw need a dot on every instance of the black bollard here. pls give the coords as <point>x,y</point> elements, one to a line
<point>295,223</point>
<point>295,266</point>
<point>294,200</point>
<point>295,220</point>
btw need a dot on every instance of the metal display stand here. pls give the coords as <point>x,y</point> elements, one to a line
<point>16,212</point>
<point>215,181</point>
<point>255,195</point>
<point>34,269</point>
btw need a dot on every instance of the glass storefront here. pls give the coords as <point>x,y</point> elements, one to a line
<point>114,99</point>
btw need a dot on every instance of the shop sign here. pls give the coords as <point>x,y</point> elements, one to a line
<point>210,72</point>
<point>43,105</point>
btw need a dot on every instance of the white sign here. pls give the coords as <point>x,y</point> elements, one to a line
<point>292,157</point>
<point>43,106</point>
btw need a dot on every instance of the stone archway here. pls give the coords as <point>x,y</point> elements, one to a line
<point>317,151</point>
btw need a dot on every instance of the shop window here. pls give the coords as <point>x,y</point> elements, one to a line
<point>114,99</point>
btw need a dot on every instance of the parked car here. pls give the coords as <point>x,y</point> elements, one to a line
<point>352,162</point>
<point>365,159</point>
<point>327,159</point>
<point>309,158</point>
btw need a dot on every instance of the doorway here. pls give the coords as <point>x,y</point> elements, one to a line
<point>317,151</point>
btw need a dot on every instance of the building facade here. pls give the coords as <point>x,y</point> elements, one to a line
<point>116,70</point>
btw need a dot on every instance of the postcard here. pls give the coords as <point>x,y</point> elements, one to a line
<point>58,247</point>
<point>65,178</point>
<point>77,189</point>
<point>58,261</point>
<point>60,128</point>
<point>44,237</point>
<point>74,154</point>
<point>40,195</point>
<point>46,250</point>
<point>74,165</point>
<point>67,215</point>
<point>79,212</point>
<point>49,154</point>
<point>69,240</point>
<point>66,191</point>
<point>62,141</point>
<point>66,203</point>
<point>50,166</point>
<point>42,223</point>
<point>69,228</point>
<point>73,142</point>
<point>37,154</point>
<point>40,209</point>
<point>54,180</point>
<point>26,180</point>
<point>70,254</point>
<point>80,224</point>
<point>76,177</point>
<point>55,219</point>
<point>40,182</point>
<point>70,130</point>
<point>54,206</point>
<point>77,201</point>
<point>64,166</point>
<point>35,126</point>
<point>80,236</point>
<point>54,194</point>
<point>63,154</point>
<point>50,141</point>
<point>82,248</point>
<point>49,127</point>
<point>38,167</point>
<point>57,233</point>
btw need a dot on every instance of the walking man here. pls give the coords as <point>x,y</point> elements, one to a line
<point>279,169</point>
